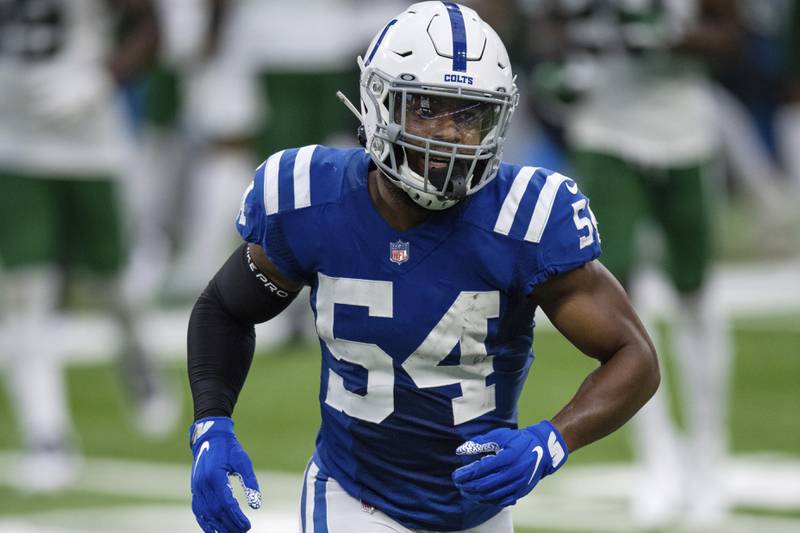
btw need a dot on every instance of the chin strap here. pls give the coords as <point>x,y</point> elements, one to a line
<point>429,200</point>
<point>457,186</point>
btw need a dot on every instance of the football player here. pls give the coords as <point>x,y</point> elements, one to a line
<point>63,143</point>
<point>645,144</point>
<point>427,257</point>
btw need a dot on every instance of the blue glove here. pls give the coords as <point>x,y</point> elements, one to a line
<point>518,459</point>
<point>217,455</point>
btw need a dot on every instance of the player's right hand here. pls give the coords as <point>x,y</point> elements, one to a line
<point>217,455</point>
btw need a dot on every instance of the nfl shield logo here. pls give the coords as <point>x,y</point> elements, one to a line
<point>398,252</point>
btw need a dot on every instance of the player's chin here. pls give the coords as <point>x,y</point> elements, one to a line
<point>438,171</point>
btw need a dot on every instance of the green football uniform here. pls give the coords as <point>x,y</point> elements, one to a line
<point>63,138</point>
<point>643,134</point>
<point>72,222</point>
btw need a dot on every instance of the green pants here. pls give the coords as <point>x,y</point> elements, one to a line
<point>72,223</point>
<point>622,195</point>
<point>303,106</point>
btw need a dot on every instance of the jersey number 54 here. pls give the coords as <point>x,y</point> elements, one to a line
<point>464,323</point>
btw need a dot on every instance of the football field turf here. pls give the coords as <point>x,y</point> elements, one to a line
<point>126,476</point>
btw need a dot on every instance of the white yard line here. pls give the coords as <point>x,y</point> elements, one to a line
<point>581,498</point>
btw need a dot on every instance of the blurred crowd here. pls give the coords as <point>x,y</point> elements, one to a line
<point>130,128</point>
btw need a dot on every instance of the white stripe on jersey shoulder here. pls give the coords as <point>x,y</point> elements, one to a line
<point>302,176</point>
<point>242,221</point>
<point>271,172</point>
<point>544,204</point>
<point>511,204</point>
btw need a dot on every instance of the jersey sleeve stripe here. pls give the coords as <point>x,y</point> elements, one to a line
<point>302,177</point>
<point>242,218</point>
<point>286,179</point>
<point>271,183</point>
<point>544,204</point>
<point>511,204</point>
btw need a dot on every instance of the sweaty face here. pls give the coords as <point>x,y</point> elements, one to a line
<point>445,120</point>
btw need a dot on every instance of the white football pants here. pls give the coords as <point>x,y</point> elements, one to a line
<point>326,508</point>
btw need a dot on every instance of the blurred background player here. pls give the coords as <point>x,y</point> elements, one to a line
<point>198,111</point>
<point>639,122</point>
<point>203,102</point>
<point>64,144</point>
<point>198,147</point>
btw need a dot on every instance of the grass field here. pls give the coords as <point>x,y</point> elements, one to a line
<point>277,418</point>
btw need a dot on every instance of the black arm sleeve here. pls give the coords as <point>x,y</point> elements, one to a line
<point>221,337</point>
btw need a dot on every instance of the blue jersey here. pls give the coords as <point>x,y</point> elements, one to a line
<point>425,334</point>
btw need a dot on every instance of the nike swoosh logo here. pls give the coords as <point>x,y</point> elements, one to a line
<point>572,187</point>
<point>203,447</point>
<point>539,453</point>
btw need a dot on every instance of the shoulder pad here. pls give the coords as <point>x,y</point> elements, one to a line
<point>297,178</point>
<point>285,185</point>
<point>521,201</point>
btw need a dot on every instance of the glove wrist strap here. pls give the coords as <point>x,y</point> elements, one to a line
<point>203,427</point>
<point>556,446</point>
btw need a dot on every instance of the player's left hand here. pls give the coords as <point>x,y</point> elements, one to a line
<point>520,458</point>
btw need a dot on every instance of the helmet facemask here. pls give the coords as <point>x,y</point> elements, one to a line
<point>438,143</point>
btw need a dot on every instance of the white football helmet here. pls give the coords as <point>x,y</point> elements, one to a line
<point>437,95</point>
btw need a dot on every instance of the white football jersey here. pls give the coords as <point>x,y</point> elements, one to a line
<point>58,46</point>
<point>647,105</point>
